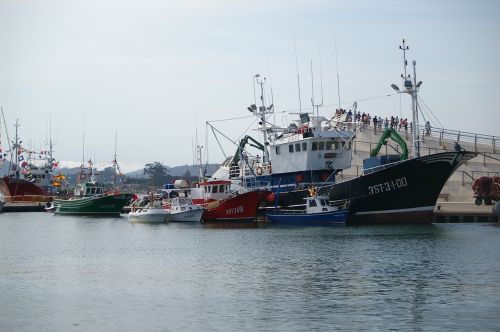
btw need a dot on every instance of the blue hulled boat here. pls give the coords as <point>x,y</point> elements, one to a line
<point>318,212</point>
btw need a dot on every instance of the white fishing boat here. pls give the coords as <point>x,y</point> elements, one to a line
<point>183,209</point>
<point>153,213</point>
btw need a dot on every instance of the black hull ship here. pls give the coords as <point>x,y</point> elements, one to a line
<point>305,157</point>
<point>398,193</point>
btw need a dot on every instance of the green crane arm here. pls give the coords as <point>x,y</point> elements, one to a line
<point>241,147</point>
<point>394,136</point>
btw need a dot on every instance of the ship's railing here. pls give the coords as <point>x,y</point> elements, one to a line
<point>250,168</point>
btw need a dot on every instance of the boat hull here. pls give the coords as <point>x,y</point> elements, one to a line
<point>95,205</point>
<point>317,219</point>
<point>241,208</point>
<point>185,216</point>
<point>400,193</point>
<point>19,187</point>
<point>155,216</point>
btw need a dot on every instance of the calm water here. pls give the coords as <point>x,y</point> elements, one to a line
<point>62,273</point>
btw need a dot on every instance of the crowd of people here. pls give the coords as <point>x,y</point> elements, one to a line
<point>379,123</point>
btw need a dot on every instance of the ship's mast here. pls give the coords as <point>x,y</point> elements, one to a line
<point>261,112</point>
<point>411,87</point>
<point>16,151</point>
<point>312,92</point>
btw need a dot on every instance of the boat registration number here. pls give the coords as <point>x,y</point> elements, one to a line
<point>234,210</point>
<point>387,186</point>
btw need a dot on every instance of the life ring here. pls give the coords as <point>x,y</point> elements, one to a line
<point>258,171</point>
<point>82,176</point>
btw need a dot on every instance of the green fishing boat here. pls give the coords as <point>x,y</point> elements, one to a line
<point>92,198</point>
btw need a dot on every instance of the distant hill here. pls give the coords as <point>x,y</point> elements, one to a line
<point>176,171</point>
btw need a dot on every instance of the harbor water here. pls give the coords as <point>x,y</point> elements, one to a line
<point>64,273</point>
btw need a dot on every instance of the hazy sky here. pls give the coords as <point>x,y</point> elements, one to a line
<point>156,71</point>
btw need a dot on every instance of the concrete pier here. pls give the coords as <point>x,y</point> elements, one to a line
<point>454,212</point>
<point>24,207</point>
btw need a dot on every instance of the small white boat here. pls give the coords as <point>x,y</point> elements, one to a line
<point>153,213</point>
<point>183,209</point>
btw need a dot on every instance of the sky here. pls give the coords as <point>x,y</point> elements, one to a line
<point>153,73</point>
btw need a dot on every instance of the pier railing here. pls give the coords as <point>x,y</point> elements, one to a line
<point>476,142</point>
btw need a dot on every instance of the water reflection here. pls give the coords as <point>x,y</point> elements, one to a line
<point>61,273</point>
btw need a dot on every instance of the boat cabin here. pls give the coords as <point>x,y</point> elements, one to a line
<point>317,204</point>
<point>214,190</point>
<point>89,189</point>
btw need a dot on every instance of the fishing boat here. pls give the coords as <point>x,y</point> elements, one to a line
<point>318,212</point>
<point>224,205</point>
<point>92,198</point>
<point>153,212</point>
<point>314,150</point>
<point>22,179</point>
<point>182,209</point>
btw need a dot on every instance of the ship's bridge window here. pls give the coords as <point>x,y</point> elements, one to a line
<point>304,146</point>
<point>321,146</point>
<point>290,148</point>
<point>221,188</point>
<point>215,190</point>
<point>337,145</point>
<point>314,146</point>
<point>329,145</point>
<point>278,150</point>
<point>297,147</point>
<point>312,203</point>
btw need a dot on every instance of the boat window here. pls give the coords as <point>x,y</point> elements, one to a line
<point>215,190</point>
<point>297,147</point>
<point>290,148</point>
<point>349,146</point>
<point>221,188</point>
<point>315,146</point>
<point>323,202</point>
<point>312,203</point>
<point>329,145</point>
<point>304,146</point>
<point>278,150</point>
<point>336,145</point>
<point>342,144</point>
<point>321,146</point>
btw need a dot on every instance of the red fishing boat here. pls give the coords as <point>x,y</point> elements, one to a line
<point>222,205</point>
